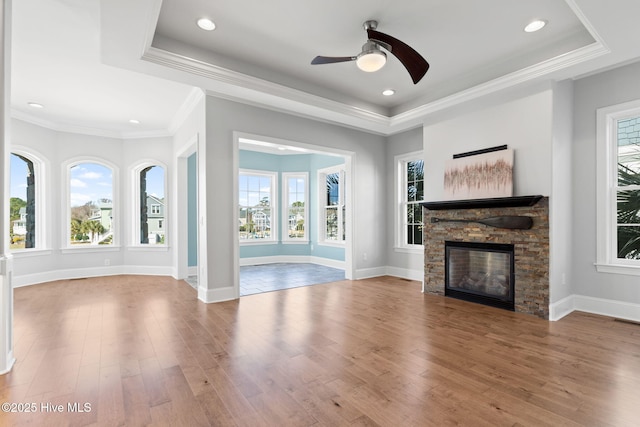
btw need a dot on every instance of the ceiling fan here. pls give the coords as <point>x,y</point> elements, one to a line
<point>372,58</point>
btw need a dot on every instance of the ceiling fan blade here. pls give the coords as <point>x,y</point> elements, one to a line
<point>331,59</point>
<point>415,64</point>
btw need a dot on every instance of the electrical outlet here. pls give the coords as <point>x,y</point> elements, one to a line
<point>364,256</point>
<point>107,262</point>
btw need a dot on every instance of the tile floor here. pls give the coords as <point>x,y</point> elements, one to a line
<point>255,279</point>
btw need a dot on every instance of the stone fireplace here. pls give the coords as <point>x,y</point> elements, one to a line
<point>528,290</point>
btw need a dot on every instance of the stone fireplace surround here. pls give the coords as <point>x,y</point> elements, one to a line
<point>531,247</point>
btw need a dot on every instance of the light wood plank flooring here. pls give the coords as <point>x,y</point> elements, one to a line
<point>143,351</point>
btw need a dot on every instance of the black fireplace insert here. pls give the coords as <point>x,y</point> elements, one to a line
<point>480,272</point>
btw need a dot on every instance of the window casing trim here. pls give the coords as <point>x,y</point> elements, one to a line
<point>43,223</point>
<point>322,205</point>
<point>285,207</point>
<point>606,189</point>
<point>273,205</point>
<point>400,170</point>
<point>135,203</point>
<point>66,193</point>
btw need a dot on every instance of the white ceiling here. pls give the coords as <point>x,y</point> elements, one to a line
<point>94,65</point>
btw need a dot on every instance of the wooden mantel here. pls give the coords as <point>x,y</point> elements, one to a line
<point>498,202</point>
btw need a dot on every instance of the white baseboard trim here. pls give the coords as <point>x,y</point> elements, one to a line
<point>333,263</point>
<point>405,273</point>
<point>81,273</point>
<point>10,362</point>
<point>192,270</point>
<point>292,259</point>
<point>561,308</point>
<point>367,273</point>
<point>601,306</point>
<point>227,293</point>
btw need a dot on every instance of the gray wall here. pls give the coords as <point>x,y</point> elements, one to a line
<point>223,117</point>
<point>590,93</point>
<point>560,226</point>
<point>402,263</point>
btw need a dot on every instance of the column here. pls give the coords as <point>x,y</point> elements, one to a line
<point>6,264</point>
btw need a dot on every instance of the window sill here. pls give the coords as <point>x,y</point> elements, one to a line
<point>295,242</point>
<point>24,253</point>
<point>333,244</point>
<point>258,242</point>
<point>631,270</point>
<point>150,248</point>
<point>418,249</point>
<point>89,249</point>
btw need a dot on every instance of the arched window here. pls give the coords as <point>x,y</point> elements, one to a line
<point>91,204</point>
<point>151,208</point>
<point>24,226</point>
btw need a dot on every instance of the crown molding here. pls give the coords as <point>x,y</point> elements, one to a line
<point>61,127</point>
<point>248,89</point>
<point>85,130</point>
<point>524,75</point>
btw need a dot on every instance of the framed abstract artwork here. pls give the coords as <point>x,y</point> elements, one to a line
<point>479,175</point>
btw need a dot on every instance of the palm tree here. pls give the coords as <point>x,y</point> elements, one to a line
<point>415,173</point>
<point>93,228</point>
<point>76,229</point>
<point>628,209</point>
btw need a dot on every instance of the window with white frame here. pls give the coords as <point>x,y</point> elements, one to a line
<point>332,205</point>
<point>618,157</point>
<point>150,204</point>
<point>257,206</point>
<point>26,202</point>
<point>295,199</point>
<point>90,210</point>
<point>410,193</point>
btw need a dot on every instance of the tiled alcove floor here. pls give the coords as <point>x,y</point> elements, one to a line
<point>255,279</point>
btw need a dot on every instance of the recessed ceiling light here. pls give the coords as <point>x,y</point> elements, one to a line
<point>535,25</point>
<point>35,105</point>
<point>388,92</point>
<point>206,24</point>
<point>134,121</point>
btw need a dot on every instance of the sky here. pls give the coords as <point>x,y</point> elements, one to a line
<point>253,188</point>
<point>88,182</point>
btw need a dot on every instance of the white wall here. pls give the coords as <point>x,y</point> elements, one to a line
<point>560,208</point>
<point>369,171</point>
<point>598,292</point>
<point>523,124</point>
<point>400,263</point>
<point>57,147</point>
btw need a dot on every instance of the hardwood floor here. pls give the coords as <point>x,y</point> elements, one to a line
<point>142,350</point>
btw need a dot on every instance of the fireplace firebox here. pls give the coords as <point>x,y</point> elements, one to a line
<point>481,273</point>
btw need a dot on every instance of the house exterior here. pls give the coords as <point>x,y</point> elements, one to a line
<point>103,214</point>
<point>20,225</point>
<point>155,219</point>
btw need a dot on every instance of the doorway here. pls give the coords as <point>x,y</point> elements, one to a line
<point>291,225</point>
<point>187,221</point>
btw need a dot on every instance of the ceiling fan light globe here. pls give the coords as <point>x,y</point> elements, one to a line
<point>371,61</point>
